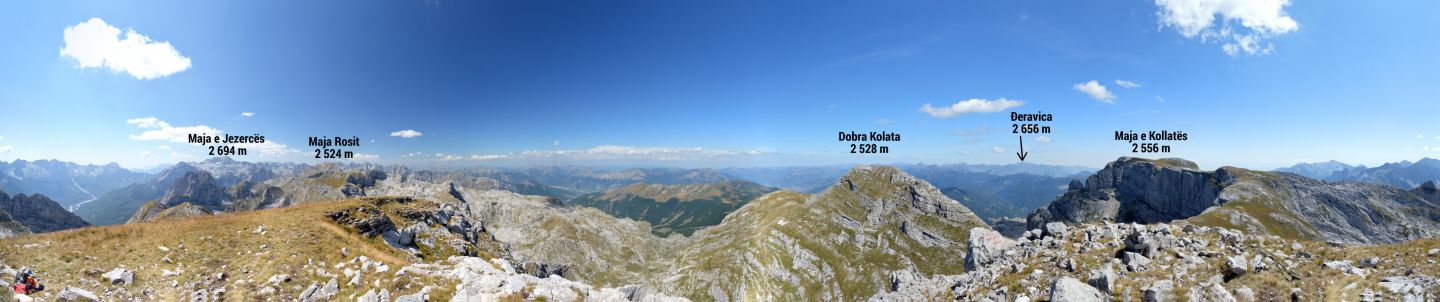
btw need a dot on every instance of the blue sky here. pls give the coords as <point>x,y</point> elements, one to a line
<point>721,83</point>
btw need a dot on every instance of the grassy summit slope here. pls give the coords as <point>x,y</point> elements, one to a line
<point>841,244</point>
<point>237,253</point>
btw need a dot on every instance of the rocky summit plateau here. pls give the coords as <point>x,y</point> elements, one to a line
<point>1136,230</point>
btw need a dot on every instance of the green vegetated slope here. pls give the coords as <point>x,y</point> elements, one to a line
<point>675,209</point>
<point>840,244</point>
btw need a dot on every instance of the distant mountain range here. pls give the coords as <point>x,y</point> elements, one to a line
<point>681,209</point>
<point>118,194</point>
<point>589,180</point>
<point>1404,174</point>
<point>65,182</point>
<point>1321,170</point>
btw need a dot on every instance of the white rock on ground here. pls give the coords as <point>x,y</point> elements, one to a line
<point>1072,290</point>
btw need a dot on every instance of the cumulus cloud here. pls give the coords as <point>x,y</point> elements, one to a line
<point>6,148</point>
<point>407,133</point>
<point>95,44</point>
<point>1126,84</point>
<point>160,130</point>
<point>997,150</point>
<point>247,114</point>
<point>1214,21</point>
<point>1043,139</point>
<point>1096,91</point>
<point>969,106</point>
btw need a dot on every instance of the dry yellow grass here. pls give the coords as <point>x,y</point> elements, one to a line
<point>296,241</point>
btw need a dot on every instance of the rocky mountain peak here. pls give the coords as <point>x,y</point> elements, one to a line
<point>1282,204</point>
<point>39,213</point>
<point>169,175</point>
<point>888,191</point>
<point>197,188</point>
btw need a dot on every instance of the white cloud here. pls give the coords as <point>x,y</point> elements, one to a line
<point>1257,19</point>
<point>2,137</point>
<point>366,157</point>
<point>1160,99</point>
<point>272,148</point>
<point>407,133</point>
<point>160,130</point>
<point>1043,139</point>
<point>145,153</point>
<point>970,106</point>
<point>487,157</point>
<point>882,122</point>
<point>997,150</point>
<point>555,143</point>
<point>1419,136</point>
<point>1126,84</point>
<point>1096,91</point>
<point>6,148</point>
<point>95,44</point>
<point>247,114</point>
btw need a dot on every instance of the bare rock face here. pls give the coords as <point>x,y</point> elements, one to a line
<point>36,213</point>
<point>1153,191</point>
<point>1137,190</point>
<point>197,188</point>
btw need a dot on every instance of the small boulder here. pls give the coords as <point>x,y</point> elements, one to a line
<point>1135,262</point>
<point>1369,262</point>
<point>1104,278</point>
<point>1160,291</point>
<point>986,246</point>
<point>1236,266</point>
<point>1212,293</point>
<point>1072,290</point>
<point>76,294</point>
<point>120,276</point>
<point>277,279</point>
<point>1056,229</point>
